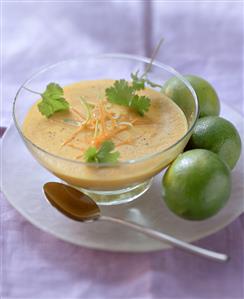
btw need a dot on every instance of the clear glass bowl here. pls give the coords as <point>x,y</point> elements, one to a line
<point>108,184</point>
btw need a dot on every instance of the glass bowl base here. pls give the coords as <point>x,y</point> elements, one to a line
<point>117,197</point>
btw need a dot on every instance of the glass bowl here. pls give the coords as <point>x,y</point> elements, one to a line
<point>107,184</point>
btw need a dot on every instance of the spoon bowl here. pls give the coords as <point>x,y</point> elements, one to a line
<point>71,202</point>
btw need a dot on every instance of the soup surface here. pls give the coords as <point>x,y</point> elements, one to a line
<point>64,134</point>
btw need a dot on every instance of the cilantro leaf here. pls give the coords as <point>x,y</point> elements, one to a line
<point>52,100</point>
<point>121,93</point>
<point>138,83</point>
<point>140,103</point>
<point>103,155</point>
<point>91,154</point>
<point>152,84</point>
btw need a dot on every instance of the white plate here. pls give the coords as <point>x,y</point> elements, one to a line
<point>22,185</point>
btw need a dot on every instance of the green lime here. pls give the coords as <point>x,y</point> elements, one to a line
<point>207,97</point>
<point>218,135</point>
<point>197,185</point>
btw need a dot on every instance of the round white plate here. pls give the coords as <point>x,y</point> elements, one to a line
<point>22,183</point>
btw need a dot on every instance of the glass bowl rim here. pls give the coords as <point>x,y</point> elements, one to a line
<point>100,56</point>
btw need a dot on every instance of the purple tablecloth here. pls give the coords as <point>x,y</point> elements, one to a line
<point>200,37</point>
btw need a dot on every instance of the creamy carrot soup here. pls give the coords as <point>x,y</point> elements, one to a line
<point>134,136</point>
<point>91,120</point>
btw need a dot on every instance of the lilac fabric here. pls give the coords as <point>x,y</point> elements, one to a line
<point>204,38</point>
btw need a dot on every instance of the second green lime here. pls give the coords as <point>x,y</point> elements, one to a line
<point>207,97</point>
<point>218,135</point>
<point>197,185</point>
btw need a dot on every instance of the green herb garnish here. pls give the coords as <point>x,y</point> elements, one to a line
<point>102,155</point>
<point>121,93</point>
<point>52,100</point>
<point>139,82</point>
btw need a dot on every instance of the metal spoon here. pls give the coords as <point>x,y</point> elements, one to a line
<point>80,207</point>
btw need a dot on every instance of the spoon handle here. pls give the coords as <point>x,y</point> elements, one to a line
<point>169,239</point>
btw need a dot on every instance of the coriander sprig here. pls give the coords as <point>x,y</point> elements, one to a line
<point>124,94</point>
<point>104,154</point>
<point>52,100</point>
<point>139,82</point>
<point>121,93</point>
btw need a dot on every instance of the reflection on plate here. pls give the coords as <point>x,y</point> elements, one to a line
<point>22,185</point>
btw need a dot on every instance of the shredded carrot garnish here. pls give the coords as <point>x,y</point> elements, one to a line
<point>104,124</point>
<point>101,138</point>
